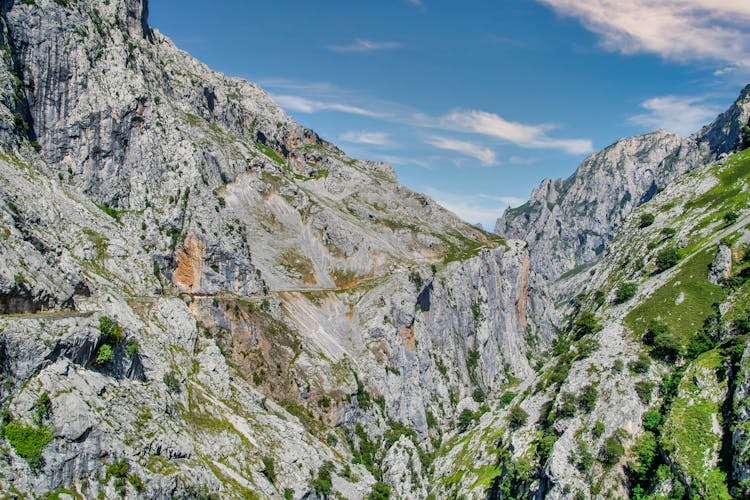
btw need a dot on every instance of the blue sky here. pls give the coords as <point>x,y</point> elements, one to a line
<point>474,103</point>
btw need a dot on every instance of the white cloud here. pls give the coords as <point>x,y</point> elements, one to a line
<point>490,124</point>
<point>482,208</point>
<point>304,105</point>
<point>416,3</point>
<point>362,45</point>
<point>681,30</point>
<point>682,115</point>
<point>365,137</point>
<point>485,155</point>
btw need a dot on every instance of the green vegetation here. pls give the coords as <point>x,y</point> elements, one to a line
<point>611,452</point>
<point>132,347</point>
<point>646,220</point>
<point>269,152</point>
<point>104,355</point>
<point>586,324</point>
<point>28,442</point>
<point>625,292</point>
<point>380,491</point>
<point>517,417</point>
<point>322,484</point>
<point>669,257</point>
<point>269,468</point>
<point>171,381</point>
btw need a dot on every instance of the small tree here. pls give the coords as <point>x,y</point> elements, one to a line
<point>625,292</point>
<point>667,258</point>
<point>646,220</point>
<point>517,417</point>
<point>465,419</point>
<point>611,452</point>
<point>586,324</point>
<point>104,355</point>
<point>171,381</point>
<point>666,344</point>
<point>731,217</point>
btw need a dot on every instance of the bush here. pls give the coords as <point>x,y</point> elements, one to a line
<point>666,344</point>
<point>646,451</point>
<point>110,330</point>
<point>640,365</point>
<point>29,442</point>
<point>136,482</point>
<point>322,484</point>
<point>612,451</point>
<point>42,408</point>
<point>699,343</point>
<point>598,429</point>
<point>731,217</point>
<point>668,232</point>
<point>586,324</point>
<point>507,398</point>
<point>465,419</point>
<point>644,388</point>
<point>667,258</point>
<point>652,420</point>
<point>132,347</point>
<point>269,469</point>
<point>587,400</point>
<point>380,491</point>
<point>567,406</point>
<point>646,220</point>
<point>171,381</point>
<point>104,355</point>
<point>479,395</point>
<point>118,469</point>
<point>625,292</point>
<point>517,417</point>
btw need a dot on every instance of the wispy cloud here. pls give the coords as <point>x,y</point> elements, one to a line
<point>485,155</point>
<point>493,125</point>
<point>367,137</point>
<point>304,105</point>
<point>682,115</point>
<point>363,45</point>
<point>315,97</point>
<point>482,208</point>
<point>681,30</point>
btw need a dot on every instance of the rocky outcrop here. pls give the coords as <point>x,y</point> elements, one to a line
<point>721,267</point>
<point>569,222</point>
<point>210,299</point>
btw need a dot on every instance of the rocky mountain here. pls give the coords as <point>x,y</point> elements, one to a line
<point>569,222</point>
<point>201,298</point>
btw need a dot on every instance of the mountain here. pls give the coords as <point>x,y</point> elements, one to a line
<point>201,296</point>
<point>569,222</point>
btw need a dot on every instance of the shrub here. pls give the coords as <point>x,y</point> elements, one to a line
<point>465,419</point>
<point>322,484</point>
<point>517,417</point>
<point>136,482</point>
<point>645,450</point>
<point>611,451</point>
<point>269,468</point>
<point>171,381</point>
<point>699,343</point>
<point>652,420</point>
<point>668,232</point>
<point>644,388</point>
<point>666,344</point>
<point>587,400</point>
<point>110,330</point>
<point>731,217</point>
<point>479,395</point>
<point>132,347</point>
<point>507,398</point>
<point>667,258</point>
<point>104,355</point>
<point>618,365</point>
<point>646,220</point>
<point>586,324</point>
<point>625,292</point>
<point>28,441</point>
<point>567,406</point>
<point>380,491</point>
<point>598,429</point>
<point>332,440</point>
<point>640,365</point>
<point>42,408</point>
<point>118,469</point>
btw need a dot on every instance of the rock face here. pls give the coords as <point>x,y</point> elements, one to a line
<point>199,296</point>
<point>721,267</point>
<point>569,222</point>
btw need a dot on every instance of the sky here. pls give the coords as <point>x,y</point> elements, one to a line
<point>475,102</point>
